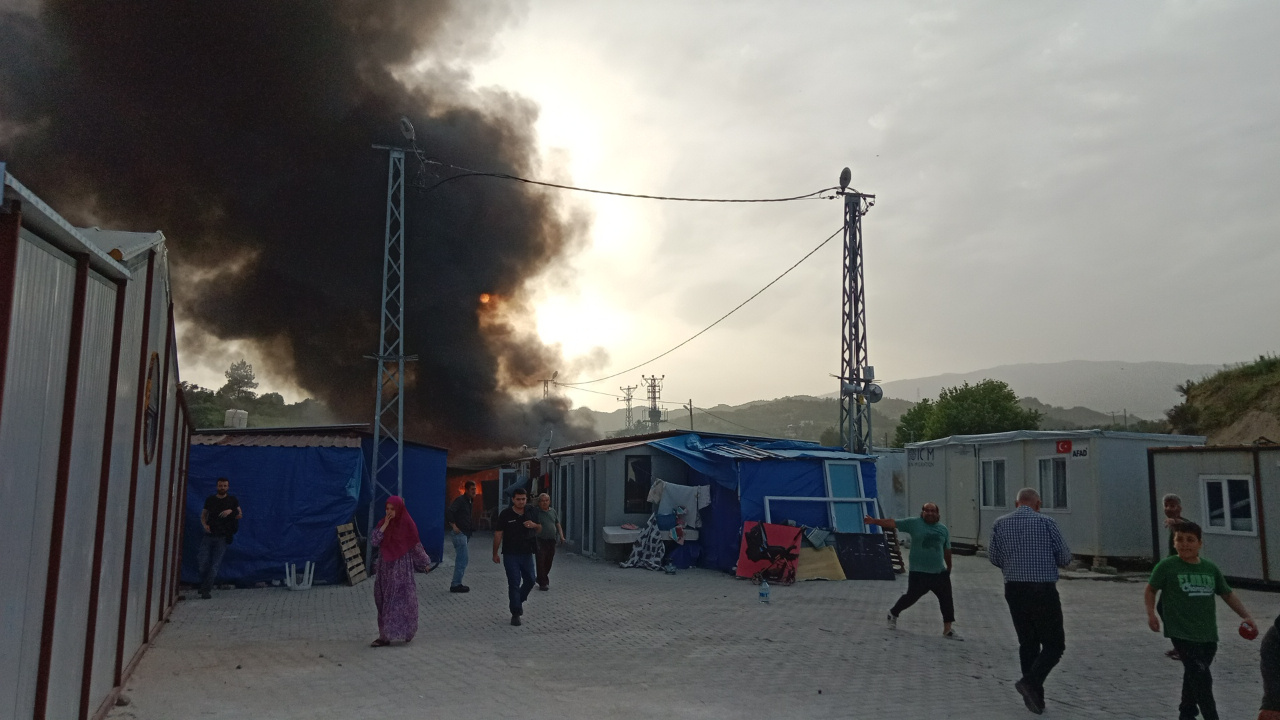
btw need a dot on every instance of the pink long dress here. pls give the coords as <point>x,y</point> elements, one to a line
<point>396,594</point>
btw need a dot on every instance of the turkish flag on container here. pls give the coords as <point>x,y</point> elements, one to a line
<point>1064,447</point>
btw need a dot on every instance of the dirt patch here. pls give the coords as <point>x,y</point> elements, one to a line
<point>1254,424</point>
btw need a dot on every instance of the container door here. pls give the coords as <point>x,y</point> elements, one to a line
<point>588,524</point>
<point>506,478</point>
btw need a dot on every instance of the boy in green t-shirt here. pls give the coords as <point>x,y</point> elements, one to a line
<point>1187,583</point>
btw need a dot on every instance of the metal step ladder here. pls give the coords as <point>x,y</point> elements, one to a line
<point>895,551</point>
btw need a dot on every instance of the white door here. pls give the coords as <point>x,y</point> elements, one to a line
<point>587,506</point>
<point>506,478</point>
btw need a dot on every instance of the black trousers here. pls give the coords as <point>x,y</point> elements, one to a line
<point>1037,617</point>
<point>1270,652</point>
<point>1197,683</point>
<point>921,583</point>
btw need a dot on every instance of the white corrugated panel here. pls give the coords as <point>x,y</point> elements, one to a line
<point>81,514</point>
<point>122,453</point>
<point>135,633</point>
<point>29,436</point>
<point>165,467</point>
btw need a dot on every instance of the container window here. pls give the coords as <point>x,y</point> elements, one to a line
<point>1229,505</point>
<point>993,484</point>
<point>1053,482</point>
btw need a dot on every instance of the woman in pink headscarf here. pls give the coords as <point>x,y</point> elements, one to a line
<point>394,591</point>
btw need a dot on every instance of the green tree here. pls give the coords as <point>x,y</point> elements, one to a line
<point>913,423</point>
<point>240,383</point>
<point>830,437</point>
<point>990,406</point>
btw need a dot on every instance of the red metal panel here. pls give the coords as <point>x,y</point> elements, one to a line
<point>70,388</point>
<point>143,355</point>
<point>10,224</point>
<point>159,461</point>
<point>104,481</point>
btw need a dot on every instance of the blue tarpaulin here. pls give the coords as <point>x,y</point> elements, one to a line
<point>294,498</point>
<point>743,471</point>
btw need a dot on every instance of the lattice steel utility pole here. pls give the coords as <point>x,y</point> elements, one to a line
<point>855,410</point>
<point>653,384</point>
<point>388,414</point>
<point>626,398</point>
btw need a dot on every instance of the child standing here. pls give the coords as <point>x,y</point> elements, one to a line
<point>1187,583</point>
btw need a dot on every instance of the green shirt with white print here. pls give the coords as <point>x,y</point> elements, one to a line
<point>1187,593</point>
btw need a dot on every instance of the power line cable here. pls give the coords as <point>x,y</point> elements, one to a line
<point>717,322</point>
<point>468,172</point>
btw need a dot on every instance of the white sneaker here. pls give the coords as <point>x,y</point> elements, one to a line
<point>891,621</point>
<point>952,635</point>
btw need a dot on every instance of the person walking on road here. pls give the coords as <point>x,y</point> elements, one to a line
<point>516,533</point>
<point>400,555</point>
<point>1028,548</point>
<point>461,526</point>
<point>220,519</point>
<point>1172,516</point>
<point>549,536</point>
<point>1187,583</point>
<point>930,570</point>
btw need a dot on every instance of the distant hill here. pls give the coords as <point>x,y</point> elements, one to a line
<point>802,417</point>
<point>1145,389</point>
<point>1237,405</point>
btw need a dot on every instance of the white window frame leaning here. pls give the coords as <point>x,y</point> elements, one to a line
<point>1046,501</point>
<point>982,482</point>
<point>1204,505</point>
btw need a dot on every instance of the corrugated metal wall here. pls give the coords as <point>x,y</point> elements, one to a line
<point>61,650</point>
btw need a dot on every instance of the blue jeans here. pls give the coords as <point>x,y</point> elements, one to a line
<point>520,580</point>
<point>212,548</point>
<point>460,553</point>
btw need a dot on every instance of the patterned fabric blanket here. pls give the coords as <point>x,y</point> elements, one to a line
<point>648,550</point>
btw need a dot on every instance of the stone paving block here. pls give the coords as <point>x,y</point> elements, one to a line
<point>606,642</point>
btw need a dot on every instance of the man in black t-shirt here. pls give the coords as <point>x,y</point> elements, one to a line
<point>220,519</point>
<point>516,533</point>
<point>459,521</point>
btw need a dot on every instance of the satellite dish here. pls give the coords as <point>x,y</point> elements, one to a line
<point>406,128</point>
<point>845,176</point>
<point>873,392</point>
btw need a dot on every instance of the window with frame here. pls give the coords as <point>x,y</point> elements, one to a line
<point>993,483</point>
<point>1053,483</point>
<point>1229,505</point>
<point>636,486</point>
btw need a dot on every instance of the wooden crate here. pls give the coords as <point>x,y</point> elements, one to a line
<point>351,555</point>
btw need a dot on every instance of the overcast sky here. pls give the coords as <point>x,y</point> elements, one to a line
<point>1054,181</point>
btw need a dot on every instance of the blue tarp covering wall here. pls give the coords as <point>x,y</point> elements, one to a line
<point>740,484</point>
<point>424,482</point>
<point>294,498</point>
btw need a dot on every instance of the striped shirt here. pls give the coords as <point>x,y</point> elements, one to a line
<point>1028,547</point>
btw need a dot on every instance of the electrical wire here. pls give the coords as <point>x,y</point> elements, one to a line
<point>468,172</point>
<point>717,322</point>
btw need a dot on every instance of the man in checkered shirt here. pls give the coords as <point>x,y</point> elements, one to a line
<point>1028,548</point>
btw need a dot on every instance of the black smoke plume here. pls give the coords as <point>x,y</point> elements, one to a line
<point>242,129</point>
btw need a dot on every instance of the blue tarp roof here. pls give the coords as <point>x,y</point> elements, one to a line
<point>716,457</point>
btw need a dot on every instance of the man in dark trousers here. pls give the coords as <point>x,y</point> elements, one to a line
<point>516,533</point>
<point>930,564</point>
<point>220,519</point>
<point>1028,548</point>
<point>460,523</point>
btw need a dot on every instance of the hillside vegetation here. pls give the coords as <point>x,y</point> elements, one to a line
<point>1236,405</point>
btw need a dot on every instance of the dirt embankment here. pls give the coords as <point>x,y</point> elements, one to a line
<point>1238,405</point>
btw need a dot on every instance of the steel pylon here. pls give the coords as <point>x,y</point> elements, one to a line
<point>386,475</point>
<point>855,411</point>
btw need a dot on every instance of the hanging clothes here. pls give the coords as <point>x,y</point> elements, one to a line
<point>648,550</point>
<point>692,497</point>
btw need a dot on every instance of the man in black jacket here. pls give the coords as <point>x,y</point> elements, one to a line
<point>459,517</point>
<point>220,519</point>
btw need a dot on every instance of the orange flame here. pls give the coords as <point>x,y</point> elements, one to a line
<point>484,298</point>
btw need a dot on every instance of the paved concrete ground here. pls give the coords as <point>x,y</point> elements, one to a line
<point>613,643</point>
